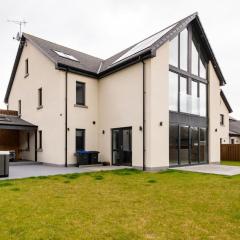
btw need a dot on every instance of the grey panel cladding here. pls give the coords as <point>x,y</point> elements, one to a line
<point>187,119</point>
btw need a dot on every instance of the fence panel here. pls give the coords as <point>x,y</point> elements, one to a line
<point>230,152</point>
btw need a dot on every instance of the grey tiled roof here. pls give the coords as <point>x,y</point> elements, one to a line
<point>234,127</point>
<point>11,120</point>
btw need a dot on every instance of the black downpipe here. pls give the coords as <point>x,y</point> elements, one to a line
<point>144,119</point>
<point>66,116</point>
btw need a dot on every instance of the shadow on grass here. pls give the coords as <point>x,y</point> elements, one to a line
<point>5,184</point>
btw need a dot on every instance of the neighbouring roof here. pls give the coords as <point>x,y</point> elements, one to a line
<point>226,101</point>
<point>75,61</point>
<point>234,127</point>
<point>15,122</point>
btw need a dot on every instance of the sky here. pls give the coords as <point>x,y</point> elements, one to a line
<point>103,28</point>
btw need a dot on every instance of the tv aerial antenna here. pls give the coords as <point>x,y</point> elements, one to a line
<point>20,24</point>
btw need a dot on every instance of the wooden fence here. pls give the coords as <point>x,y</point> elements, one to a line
<point>230,152</point>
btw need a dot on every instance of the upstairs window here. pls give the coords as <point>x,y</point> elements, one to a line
<point>80,93</point>
<point>221,119</point>
<point>40,97</point>
<point>26,68</point>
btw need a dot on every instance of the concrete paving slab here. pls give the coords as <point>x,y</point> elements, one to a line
<point>212,169</point>
<point>25,171</point>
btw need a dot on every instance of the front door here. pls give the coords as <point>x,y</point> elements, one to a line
<point>122,146</point>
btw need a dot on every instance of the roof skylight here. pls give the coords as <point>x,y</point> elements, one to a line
<point>64,55</point>
<point>145,43</point>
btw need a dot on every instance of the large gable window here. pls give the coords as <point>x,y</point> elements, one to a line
<point>188,66</point>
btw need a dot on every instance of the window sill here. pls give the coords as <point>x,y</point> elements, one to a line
<point>39,150</point>
<point>39,107</point>
<point>80,106</point>
<point>26,75</point>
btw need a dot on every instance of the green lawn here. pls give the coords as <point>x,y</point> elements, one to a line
<point>231,163</point>
<point>123,204</point>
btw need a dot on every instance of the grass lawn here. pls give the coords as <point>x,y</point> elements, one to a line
<point>122,204</point>
<point>231,163</point>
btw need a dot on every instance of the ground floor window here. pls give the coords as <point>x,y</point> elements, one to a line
<point>187,145</point>
<point>80,139</point>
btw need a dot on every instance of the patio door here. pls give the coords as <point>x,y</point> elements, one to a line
<point>122,146</point>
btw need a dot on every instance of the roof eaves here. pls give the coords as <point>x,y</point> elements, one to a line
<point>226,101</point>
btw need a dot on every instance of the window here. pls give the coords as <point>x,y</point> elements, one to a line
<point>173,91</point>
<point>40,139</point>
<point>203,99</point>
<point>65,55</point>
<point>80,93</point>
<point>173,144</point>
<point>184,104</point>
<point>26,67</point>
<point>19,107</point>
<point>28,141</point>
<point>80,139</point>
<point>40,97</point>
<point>188,62</point>
<point>174,52</point>
<point>203,146</point>
<point>221,119</point>
<point>184,49</point>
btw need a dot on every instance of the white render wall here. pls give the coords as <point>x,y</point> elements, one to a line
<point>224,129</point>
<point>214,115</point>
<point>82,117</point>
<point>50,119</point>
<point>120,105</point>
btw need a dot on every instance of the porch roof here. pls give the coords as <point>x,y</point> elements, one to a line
<point>15,123</point>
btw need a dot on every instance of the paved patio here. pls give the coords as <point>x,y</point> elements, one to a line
<point>36,170</point>
<point>212,169</point>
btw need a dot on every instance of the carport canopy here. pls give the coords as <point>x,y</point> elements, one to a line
<point>11,121</point>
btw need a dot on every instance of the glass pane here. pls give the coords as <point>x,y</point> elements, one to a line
<point>183,95</point>
<point>127,140</point>
<point>80,93</point>
<point>195,99</point>
<point>203,72</point>
<point>203,99</point>
<point>203,145</point>
<point>184,145</point>
<point>194,59</point>
<point>174,52</point>
<point>116,139</point>
<point>183,49</point>
<point>79,139</point>
<point>116,157</point>
<point>173,145</point>
<point>173,91</point>
<point>194,145</point>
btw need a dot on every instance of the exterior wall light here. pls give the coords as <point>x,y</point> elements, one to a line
<point>161,123</point>
<point>103,132</point>
<point>140,128</point>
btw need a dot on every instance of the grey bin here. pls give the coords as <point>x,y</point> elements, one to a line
<point>4,163</point>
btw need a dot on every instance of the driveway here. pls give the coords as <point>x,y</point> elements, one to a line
<point>212,169</point>
<point>37,170</point>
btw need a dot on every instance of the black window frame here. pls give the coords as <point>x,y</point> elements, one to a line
<point>222,120</point>
<point>28,141</point>
<point>84,138</point>
<point>19,107</point>
<point>82,102</point>
<point>40,97</point>
<point>40,139</point>
<point>26,67</point>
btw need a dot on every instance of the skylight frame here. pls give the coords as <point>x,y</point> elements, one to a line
<point>65,55</point>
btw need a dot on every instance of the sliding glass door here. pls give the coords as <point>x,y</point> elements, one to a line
<point>187,145</point>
